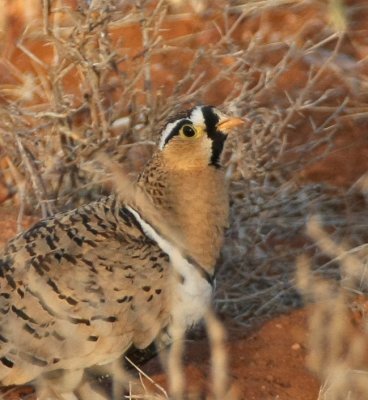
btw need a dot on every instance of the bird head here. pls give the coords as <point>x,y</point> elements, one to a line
<point>196,138</point>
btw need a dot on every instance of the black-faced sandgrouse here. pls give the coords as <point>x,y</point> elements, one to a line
<point>79,288</point>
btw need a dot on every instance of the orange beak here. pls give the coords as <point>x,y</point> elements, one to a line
<point>229,123</point>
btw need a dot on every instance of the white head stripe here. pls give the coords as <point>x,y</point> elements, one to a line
<point>197,116</point>
<point>166,132</point>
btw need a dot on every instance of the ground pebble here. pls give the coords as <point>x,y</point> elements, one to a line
<point>296,346</point>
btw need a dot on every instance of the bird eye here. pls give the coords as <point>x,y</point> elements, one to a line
<point>188,131</point>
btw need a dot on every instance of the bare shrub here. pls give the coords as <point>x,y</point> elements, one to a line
<point>338,341</point>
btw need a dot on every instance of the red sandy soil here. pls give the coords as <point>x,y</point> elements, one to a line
<point>266,364</point>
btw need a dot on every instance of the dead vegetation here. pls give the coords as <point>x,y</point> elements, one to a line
<point>82,77</point>
<point>338,342</point>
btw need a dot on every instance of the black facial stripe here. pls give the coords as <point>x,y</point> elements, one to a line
<point>211,119</point>
<point>218,138</point>
<point>217,147</point>
<point>176,129</point>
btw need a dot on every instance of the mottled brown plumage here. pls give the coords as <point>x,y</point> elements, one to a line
<point>79,288</point>
<point>199,215</point>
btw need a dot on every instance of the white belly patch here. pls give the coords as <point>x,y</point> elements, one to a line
<point>191,297</point>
